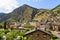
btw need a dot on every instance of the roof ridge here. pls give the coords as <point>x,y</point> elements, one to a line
<point>38,30</point>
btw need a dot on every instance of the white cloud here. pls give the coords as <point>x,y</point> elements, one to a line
<point>8,5</point>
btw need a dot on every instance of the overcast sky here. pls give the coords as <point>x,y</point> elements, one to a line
<point>7,6</point>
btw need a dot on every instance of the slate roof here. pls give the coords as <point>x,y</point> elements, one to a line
<point>31,31</point>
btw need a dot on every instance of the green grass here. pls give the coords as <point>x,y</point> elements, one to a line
<point>57,39</point>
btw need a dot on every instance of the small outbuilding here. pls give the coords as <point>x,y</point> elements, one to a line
<point>37,34</point>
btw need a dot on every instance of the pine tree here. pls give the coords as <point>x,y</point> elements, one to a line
<point>5,25</point>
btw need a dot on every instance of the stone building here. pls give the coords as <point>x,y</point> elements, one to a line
<point>13,24</point>
<point>56,26</point>
<point>37,34</point>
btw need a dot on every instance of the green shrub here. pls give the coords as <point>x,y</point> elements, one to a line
<point>54,37</point>
<point>28,26</point>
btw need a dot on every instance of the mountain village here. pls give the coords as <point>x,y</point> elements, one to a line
<point>28,23</point>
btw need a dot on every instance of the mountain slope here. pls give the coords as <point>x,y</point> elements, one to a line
<point>24,13</point>
<point>56,10</point>
<point>27,13</point>
<point>1,15</point>
<point>43,14</point>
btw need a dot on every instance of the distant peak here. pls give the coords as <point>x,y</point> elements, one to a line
<point>56,7</point>
<point>59,4</point>
<point>26,5</point>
